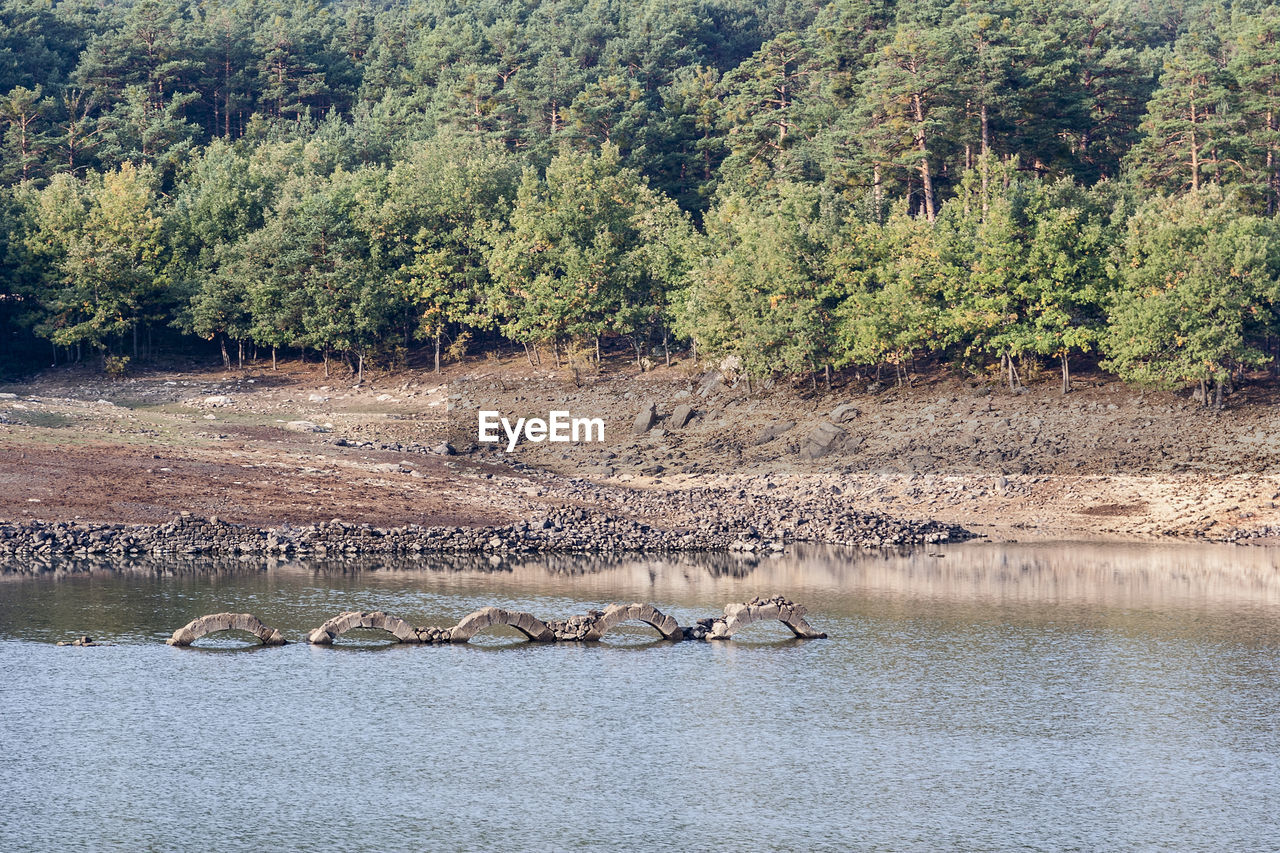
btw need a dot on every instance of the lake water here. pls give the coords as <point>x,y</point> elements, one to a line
<point>978,697</point>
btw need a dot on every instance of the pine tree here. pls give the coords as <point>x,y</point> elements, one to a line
<point>1193,120</point>
<point>1256,68</point>
<point>906,94</point>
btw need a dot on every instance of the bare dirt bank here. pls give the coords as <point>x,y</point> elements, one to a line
<point>1104,461</point>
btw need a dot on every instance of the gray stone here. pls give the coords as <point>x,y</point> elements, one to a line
<point>645,419</point>
<point>217,400</point>
<point>844,413</point>
<point>681,416</point>
<point>773,430</point>
<point>823,439</point>
<point>303,426</point>
<point>713,382</point>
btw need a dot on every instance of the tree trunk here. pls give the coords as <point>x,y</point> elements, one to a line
<point>1195,151</point>
<point>1273,175</point>
<point>360,368</point>
<point>665,351</point>
<point>877,192</point>
<point>826,369</point>
<point>325,354</point>
<point>1066,375</point>
<point>925,177</point>
<point>226,359</point>
<point>597,351</point>
<point>527,354</point>
<point>273,358</point>
<point>1271,179</point>
<point>986,163</point>
<point>240,355</point>
<point>1217,394</point>
<point>437,352</point>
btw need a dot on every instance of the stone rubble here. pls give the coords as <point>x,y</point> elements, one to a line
<point>559,530</point>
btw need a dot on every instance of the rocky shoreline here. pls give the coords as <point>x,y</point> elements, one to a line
<point>571,530</point>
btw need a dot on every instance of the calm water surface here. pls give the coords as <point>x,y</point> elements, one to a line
<point>1052,697</point>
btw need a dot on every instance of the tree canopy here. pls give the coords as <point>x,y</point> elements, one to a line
<point>804,186</point>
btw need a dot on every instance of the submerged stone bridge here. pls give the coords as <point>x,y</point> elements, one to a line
<point>214,622</point>
<point>590,627</point>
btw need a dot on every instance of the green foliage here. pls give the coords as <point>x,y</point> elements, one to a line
<point>762,292</point>
<point>1199,284</point>
<point>839,182</point>
<point>1190,133</point>
<point>892,278</point>
<point>433,231</point>
<point>588,250</point>
<point>101,240</point>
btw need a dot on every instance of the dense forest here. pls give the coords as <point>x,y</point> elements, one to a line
<point>796,186</point>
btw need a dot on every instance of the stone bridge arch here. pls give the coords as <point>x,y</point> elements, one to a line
<point>344,622</point>
<point>739,616</point>
<point>616,614</point>
<point>214,622</point>
<point>526,623</point>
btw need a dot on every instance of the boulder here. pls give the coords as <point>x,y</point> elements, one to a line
<point>823,439</point>
<point>713,382</point>
<point>645,419</point>
<point>681,416</point>
<point>217,400</point>
<point>303,426</point>
<point>844,413</point>
<point>773,430</point>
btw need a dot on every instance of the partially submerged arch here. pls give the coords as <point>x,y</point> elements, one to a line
<point>616,614</point>
<point>214,622</point>
<point>526,623</point>
<point>344,622</point>
<point>739,616</point>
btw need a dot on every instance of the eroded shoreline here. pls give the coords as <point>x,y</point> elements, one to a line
<point>35,546</point>
<point>714,467</point>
